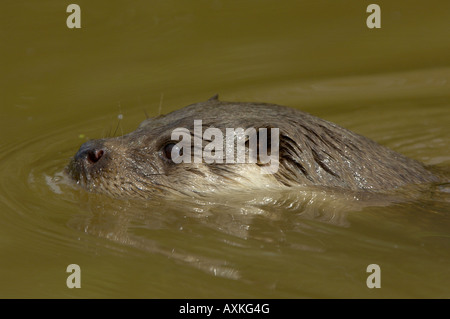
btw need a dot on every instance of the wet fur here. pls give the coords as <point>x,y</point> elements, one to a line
<point>313,152</point>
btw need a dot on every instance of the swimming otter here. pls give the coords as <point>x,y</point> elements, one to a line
<point>312,152</point>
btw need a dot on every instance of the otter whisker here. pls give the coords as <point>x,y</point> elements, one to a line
<point>160,103</point>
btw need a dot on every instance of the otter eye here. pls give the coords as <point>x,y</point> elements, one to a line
<point>169,148</point>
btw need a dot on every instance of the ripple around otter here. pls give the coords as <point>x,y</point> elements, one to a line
<point>240,237</point>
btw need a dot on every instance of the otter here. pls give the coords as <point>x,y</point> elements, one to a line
<point>311,152</point>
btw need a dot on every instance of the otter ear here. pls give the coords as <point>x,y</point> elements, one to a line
<point>215,97</point>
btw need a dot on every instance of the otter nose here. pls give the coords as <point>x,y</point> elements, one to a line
<point>91,151</point>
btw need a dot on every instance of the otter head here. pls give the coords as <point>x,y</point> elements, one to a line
<point>306,151</point>
<point>142,163</point>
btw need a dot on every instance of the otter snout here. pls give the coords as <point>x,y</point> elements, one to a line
<point>90,152</point>
<point>90,160</point>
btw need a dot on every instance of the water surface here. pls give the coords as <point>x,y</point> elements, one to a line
<point>61,87</point>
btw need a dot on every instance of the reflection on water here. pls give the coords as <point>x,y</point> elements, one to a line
<point>235,219</point>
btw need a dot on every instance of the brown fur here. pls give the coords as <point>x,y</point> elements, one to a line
<point>313,152</point>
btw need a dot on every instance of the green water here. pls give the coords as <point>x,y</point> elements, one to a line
<point>60,87</point>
